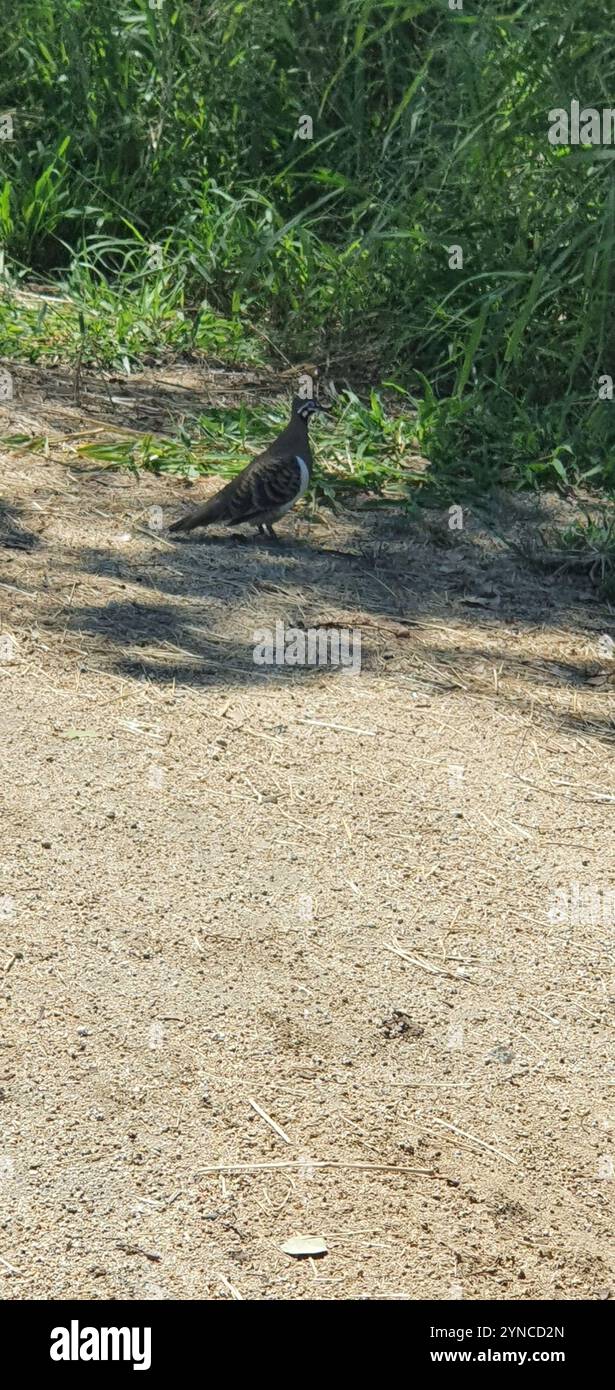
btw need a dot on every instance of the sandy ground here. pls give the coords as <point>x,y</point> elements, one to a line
<point>324,894</point>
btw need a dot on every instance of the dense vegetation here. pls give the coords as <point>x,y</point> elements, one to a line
<point>176,124</point>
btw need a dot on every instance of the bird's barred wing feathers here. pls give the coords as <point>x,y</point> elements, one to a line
<point>267,484</point>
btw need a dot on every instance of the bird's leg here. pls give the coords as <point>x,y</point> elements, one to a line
<point>265,529</point>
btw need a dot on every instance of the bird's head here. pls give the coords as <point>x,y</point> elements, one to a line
<point>304,407</point>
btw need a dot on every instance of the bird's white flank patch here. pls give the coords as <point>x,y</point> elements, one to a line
<point>305,476</point>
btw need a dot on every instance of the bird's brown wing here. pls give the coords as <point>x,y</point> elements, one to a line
<point>270,481</point>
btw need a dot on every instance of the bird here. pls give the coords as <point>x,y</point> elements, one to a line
<point>271,483</point>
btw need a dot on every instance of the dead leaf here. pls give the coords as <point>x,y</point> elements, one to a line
<point>303,1246</point>
<point>602,678</point>
<point>481,600</point>
<point>77,733</point>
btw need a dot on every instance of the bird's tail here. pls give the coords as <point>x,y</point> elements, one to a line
<point>201,516</point>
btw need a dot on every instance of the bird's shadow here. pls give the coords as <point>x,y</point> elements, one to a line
<point>187,609</point>
<point>278,545</point>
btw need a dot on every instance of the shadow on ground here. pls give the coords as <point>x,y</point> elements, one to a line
<point>437,611</point>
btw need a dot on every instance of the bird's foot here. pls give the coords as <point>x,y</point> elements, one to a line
<point>266,530</point>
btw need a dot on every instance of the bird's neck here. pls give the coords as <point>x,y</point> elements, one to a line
<point>296,433</point>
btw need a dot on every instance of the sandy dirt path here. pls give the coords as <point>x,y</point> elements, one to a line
<point>331,894</point>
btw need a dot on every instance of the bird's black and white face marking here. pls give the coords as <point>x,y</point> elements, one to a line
<point>305,408</point>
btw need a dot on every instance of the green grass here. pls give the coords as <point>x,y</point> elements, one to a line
<point>589,545</point>
<point>176,128</point>
<point>136,319</point>
<point>370,451</point>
